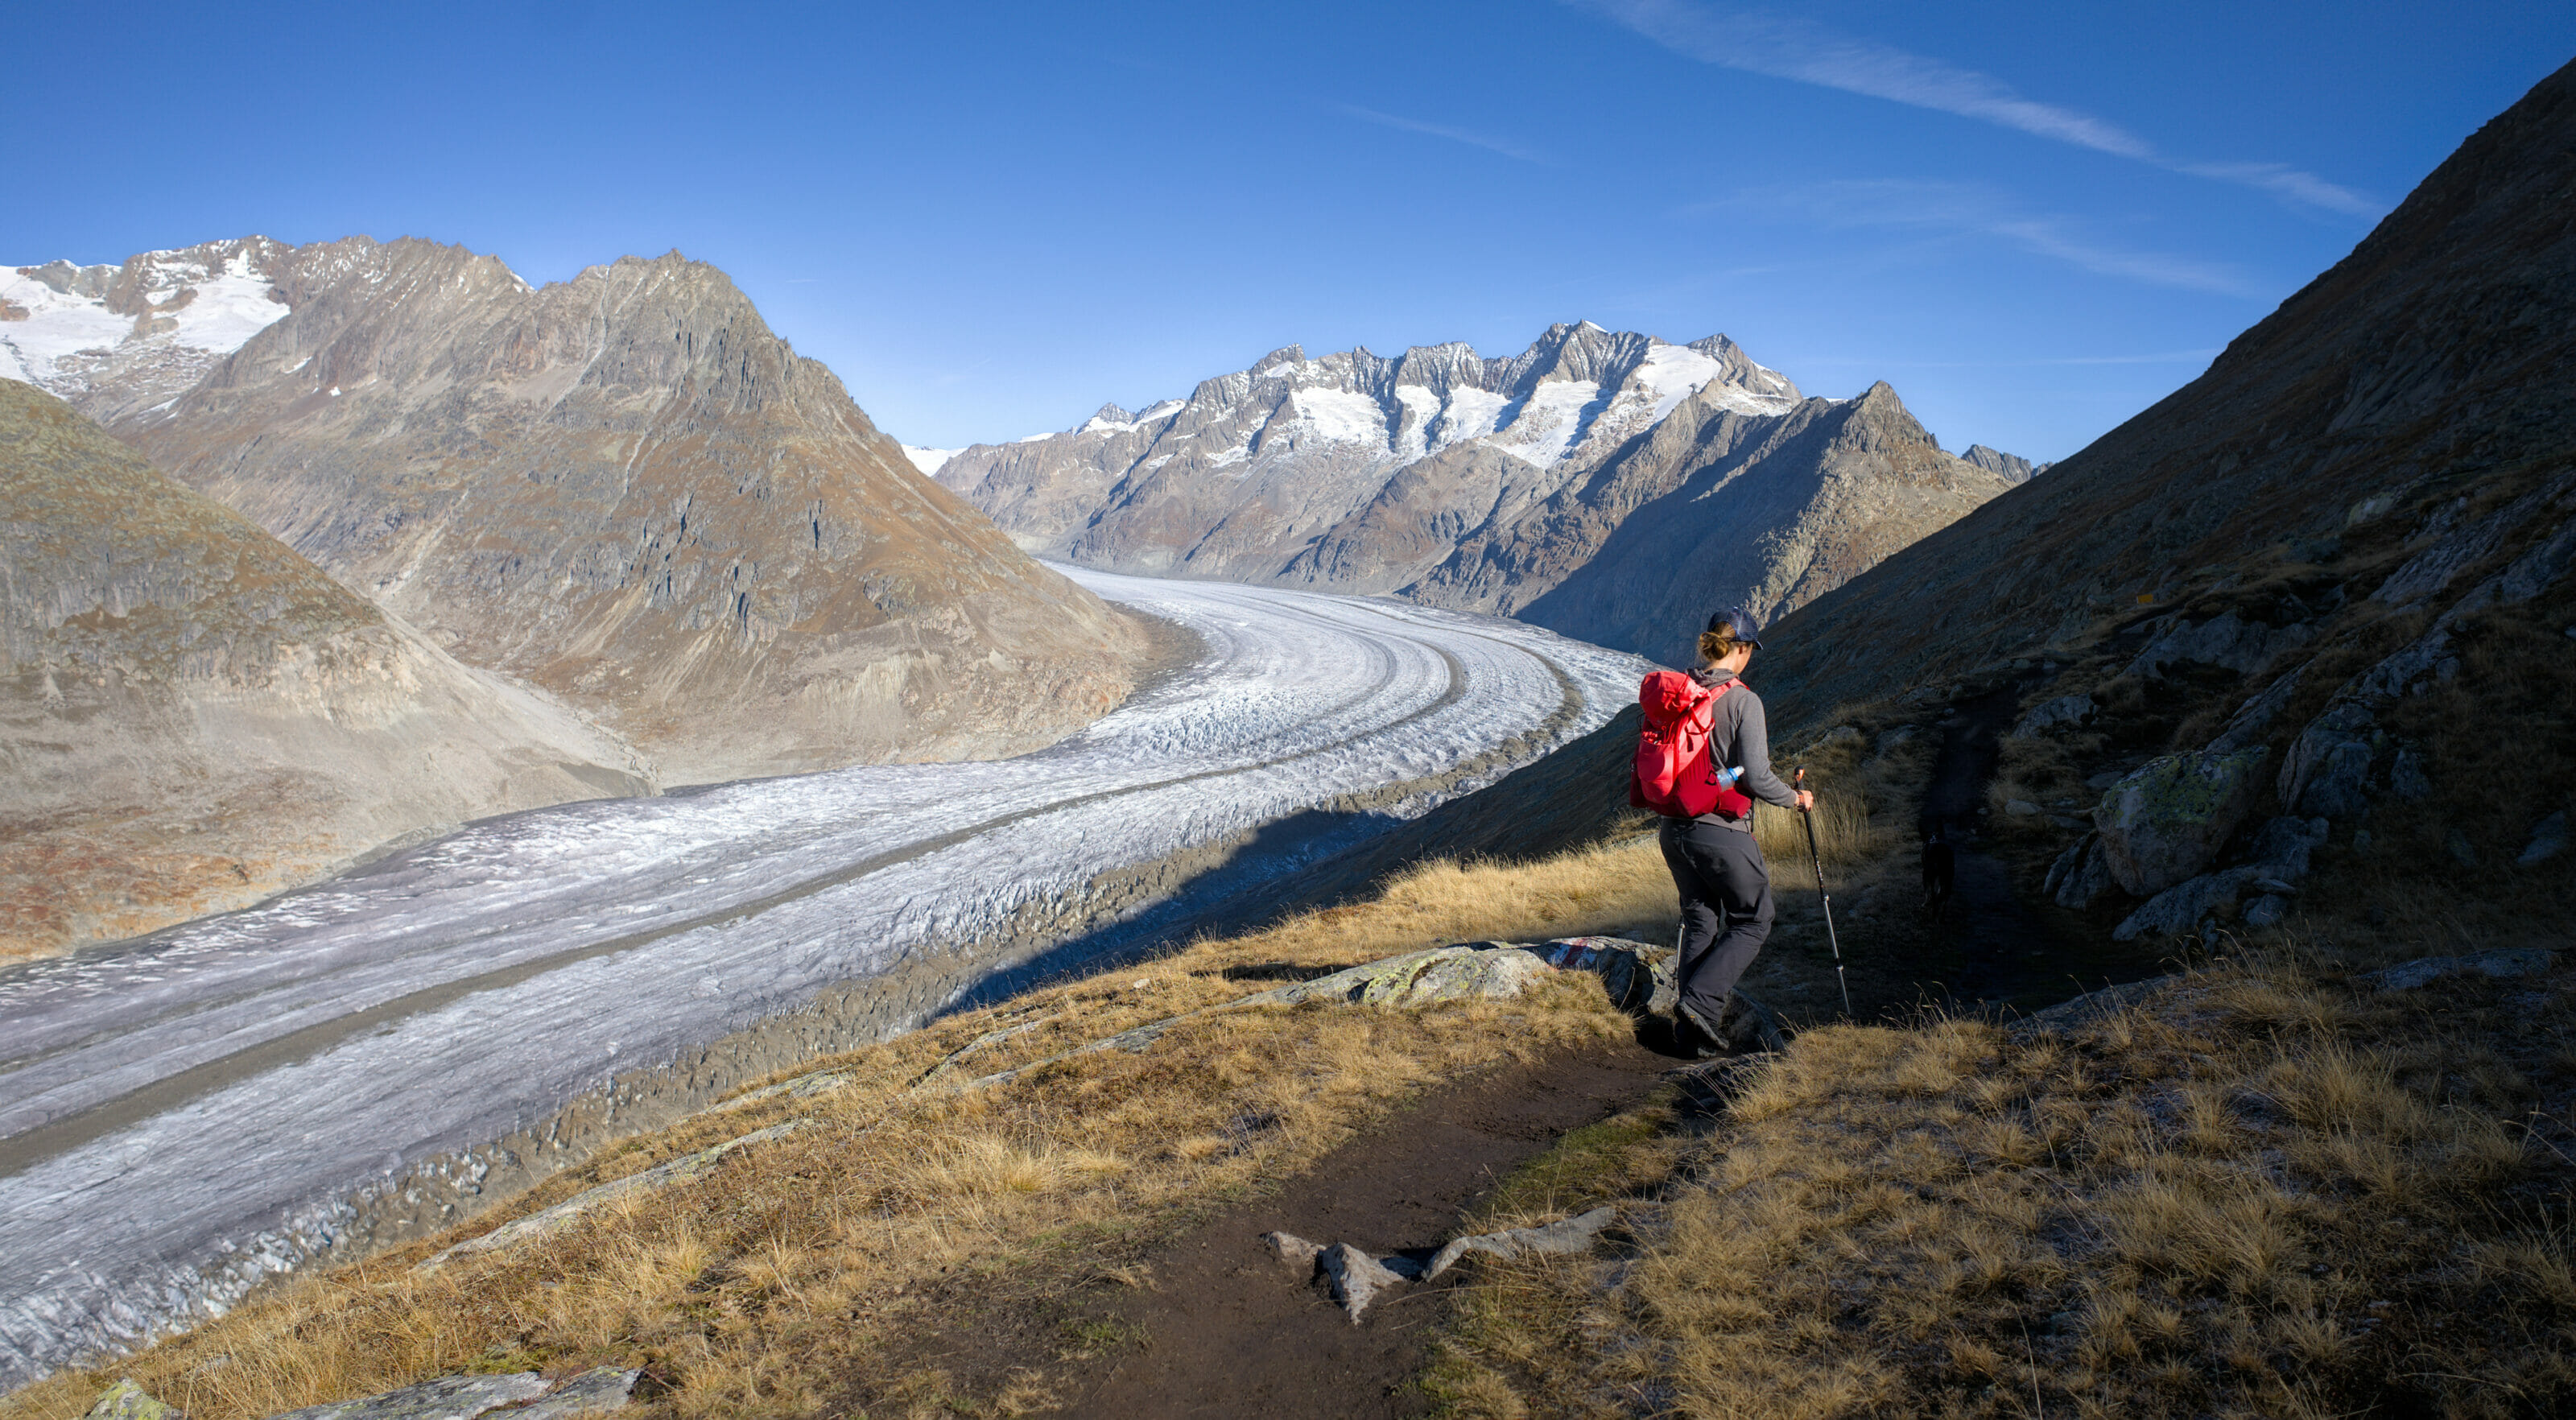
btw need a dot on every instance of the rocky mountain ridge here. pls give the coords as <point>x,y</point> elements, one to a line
<point>1490,484</point>
<point>623,489</point>
<point>193,717</point>
<point>2311,612</point>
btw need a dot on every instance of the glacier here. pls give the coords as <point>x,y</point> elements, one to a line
<point>187,1113</point>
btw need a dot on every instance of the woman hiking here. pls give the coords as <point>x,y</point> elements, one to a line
<point>1704,758</point>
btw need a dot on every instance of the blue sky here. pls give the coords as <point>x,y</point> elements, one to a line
<point>2032,219</point>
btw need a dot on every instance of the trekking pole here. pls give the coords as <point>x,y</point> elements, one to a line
<point>1798,780</point>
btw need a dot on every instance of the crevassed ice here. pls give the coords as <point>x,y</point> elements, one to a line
<point>622,911</point>
<point>232,304</point>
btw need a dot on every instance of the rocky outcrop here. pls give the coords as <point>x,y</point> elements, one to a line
<point>2505,964</point>
<point>192,717</point>
<point>626,490</point>
<point>688,1168</point>
<point>521,1395</point>
<point>1575,485</point>
<point>2013,467</point>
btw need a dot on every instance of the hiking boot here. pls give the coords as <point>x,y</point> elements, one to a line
<point>1746,1026</point>
<point>1693,1036</point>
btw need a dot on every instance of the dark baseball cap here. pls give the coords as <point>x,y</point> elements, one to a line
<point>1743,622</point>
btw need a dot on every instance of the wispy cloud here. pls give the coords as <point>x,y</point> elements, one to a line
<point>1784,47</point>
<point>2169,357</point>
<point>1969,209</point>
<point>1441,130</point>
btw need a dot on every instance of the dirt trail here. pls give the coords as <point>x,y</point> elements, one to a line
<point>2003,950</point>
<point>1224,1329</point>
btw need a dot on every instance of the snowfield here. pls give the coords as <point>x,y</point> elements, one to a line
<point>184,1114</point>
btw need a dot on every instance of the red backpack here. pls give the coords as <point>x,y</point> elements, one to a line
<point>1674,775</point>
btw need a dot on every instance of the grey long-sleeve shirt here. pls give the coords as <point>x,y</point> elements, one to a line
<point>1740,738</point>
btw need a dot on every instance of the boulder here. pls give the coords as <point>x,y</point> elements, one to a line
<point>2167,820</point>
<point>1495,975</point>
<point>2080,874</point>
<point>2548,840</point>
<point>1356,1278</point>
<point>127,1401</point>
<point>2504,964</point>
<point>2063,713</point>
<point>1296,1252</point>
<point>2186,907</point>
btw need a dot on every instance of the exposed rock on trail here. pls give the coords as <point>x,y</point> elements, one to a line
<point>1227,1330</point>
<point>1356,1278</point>
<point>192,717</point>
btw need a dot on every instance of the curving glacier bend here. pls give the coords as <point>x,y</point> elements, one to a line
<point>181,1115</point>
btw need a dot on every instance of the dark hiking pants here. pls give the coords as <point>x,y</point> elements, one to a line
<point>1726,909</point>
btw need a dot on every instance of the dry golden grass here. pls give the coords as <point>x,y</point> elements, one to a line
<point>786,1277</point>
<point>2263,1193</point>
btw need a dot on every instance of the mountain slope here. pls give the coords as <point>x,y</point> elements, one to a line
<point>193,717</point>
<point>626,490</point>
<point>1489,484</point>
<point>2397,410</point>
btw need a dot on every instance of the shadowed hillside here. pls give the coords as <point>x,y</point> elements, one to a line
<point>193,717</point>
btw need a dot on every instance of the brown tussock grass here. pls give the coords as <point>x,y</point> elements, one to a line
<point>793,1274</point>
<point>2265,1192</point>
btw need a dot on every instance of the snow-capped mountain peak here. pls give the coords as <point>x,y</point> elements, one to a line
<point>130,336</point>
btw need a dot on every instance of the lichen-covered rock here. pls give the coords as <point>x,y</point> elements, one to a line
<point>594,1392</point>
<point>447,1398</point>
<point>2166,820</point>
<point>126,1400</point>
<point>1498,974</point>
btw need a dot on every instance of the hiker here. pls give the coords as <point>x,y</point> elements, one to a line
<point>1703,760</point>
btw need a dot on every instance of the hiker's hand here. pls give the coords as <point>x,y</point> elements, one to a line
<point>1806,800</point>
